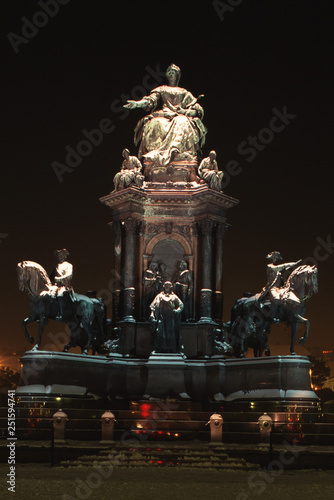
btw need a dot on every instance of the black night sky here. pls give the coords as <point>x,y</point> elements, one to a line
<point>254,60</point>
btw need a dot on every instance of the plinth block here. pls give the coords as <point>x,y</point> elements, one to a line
<point>166,376</point>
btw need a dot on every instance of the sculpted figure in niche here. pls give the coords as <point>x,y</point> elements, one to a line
<point>166,311</point>
<point>152,286</point>
<point>184,289</point>
<point>163,272</point>
<point>208,170</point>
<point>173,127</point>
<point>130,172</point>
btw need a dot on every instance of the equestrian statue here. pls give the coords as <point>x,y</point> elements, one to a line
<point>55,299</point>
<point>282,300</point>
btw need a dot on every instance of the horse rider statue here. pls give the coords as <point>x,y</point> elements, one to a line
<point>277,274</point>
<point>61,277</point>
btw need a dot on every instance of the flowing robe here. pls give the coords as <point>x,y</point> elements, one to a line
<point>151,282</point>
<point>166,309</point>
<point>184,289</point>
<point>209,172</point>
<point>130,174</point>
<point>165,131</point>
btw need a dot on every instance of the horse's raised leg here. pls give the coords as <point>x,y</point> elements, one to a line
<point>305,322</point>
<point>25,322</point>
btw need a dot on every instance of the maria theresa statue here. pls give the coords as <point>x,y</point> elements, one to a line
<point>173,129</point>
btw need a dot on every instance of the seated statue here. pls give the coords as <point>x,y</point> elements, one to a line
<point>208,170</point>
<point>130,172</point>
<point>173,127</point>
<point>166,311</point>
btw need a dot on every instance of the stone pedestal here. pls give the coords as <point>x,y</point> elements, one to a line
<point>167,222</point>
<point>128,329</point>
<point>280,379</point>
<point>196,338</point>
<point>166,376</point>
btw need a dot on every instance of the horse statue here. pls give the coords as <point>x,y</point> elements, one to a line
<point>84,314</point>
<point>249,326</point>
<point>251,319</point>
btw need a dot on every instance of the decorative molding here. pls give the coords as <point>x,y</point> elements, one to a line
<point>152,228</point>
<point>221,229</point>
<point>207,226</point>
<point>130,225</point>
<point>183,229</point>
<point>169,227</point>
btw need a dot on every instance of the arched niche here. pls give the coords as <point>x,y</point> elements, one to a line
<point>168,252</point>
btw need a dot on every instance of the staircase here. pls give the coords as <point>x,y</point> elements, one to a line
<point>190,455</point>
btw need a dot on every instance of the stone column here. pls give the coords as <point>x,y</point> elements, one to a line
<point>116,292</point>
<point>206,289</point>
<point>130,226</point>
<point>218,294</point>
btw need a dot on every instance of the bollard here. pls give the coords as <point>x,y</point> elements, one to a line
<point>216,428</point>
<point>265,424</point>
<point>108,420</point>
<point>59,425</point>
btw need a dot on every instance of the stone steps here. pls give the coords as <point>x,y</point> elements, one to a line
<point>207,456</point>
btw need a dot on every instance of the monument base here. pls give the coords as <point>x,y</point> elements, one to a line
<point>166,376</point>
<point>215,379</point>
<point>167,396</point>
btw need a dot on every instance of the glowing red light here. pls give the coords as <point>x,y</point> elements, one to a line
<point>145,410</point>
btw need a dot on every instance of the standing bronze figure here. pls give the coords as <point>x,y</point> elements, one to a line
<point>184,289</point>
<point>151,287</point>
<point>166,311</point>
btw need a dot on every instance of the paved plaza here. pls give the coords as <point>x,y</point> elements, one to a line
<point>39,481</point>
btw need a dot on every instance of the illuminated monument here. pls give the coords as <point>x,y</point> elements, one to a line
<point>169,218</point>
<point>175,222</point>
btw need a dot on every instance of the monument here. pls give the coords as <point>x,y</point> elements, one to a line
<point>283,299</point>
<point>169,218</point>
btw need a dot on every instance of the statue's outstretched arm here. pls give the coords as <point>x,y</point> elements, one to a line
<point>143,103</point>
